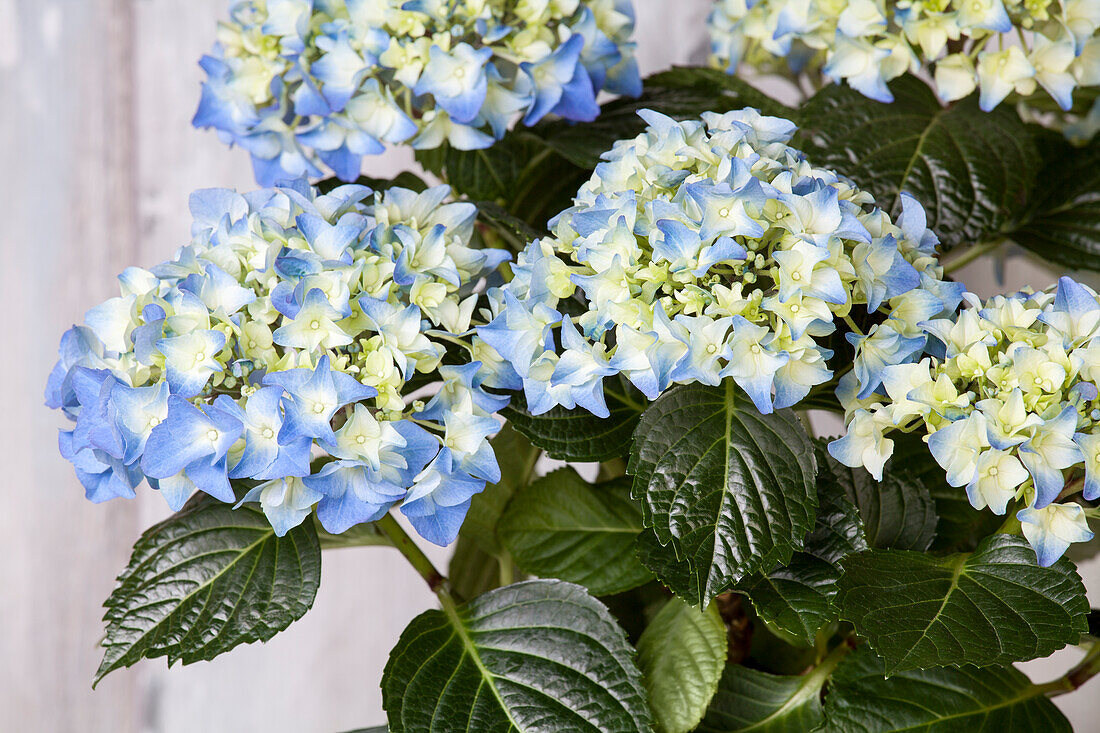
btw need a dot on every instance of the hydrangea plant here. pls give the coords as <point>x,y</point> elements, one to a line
<point>674,295</point>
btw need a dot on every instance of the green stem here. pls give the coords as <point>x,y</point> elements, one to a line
<point>972,254</point>
<point>507,569</point>
<point>523,186</point>
<point>1071,488</point>
<point>1011,524</point>
<point>443,335</point>
<point>416,557</point>
<point>1081,673</point>
<point>821,645</point>
<point>829,663</point>
<point>611,469</point>
<point>853,325</point>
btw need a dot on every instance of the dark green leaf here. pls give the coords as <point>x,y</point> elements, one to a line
<point>676,573</point>
<point>748,700</point>
<point>432,159</point>
<point>838,529</point>
<point>797,598</point>
<point>205,580</point>
<point>898,512</point>
<point>487,174</point>
<point>945,700</point>
<point>546,185</point>
<point>1063,222</point>
<point>404,179</point>
<point>681,654</point>
<point>563,527</point>
<point>971,170</point>
<point>771,651</point>
<point>538,655</point>
<point>681,93</point>
<point>727,490</point>
<point>515,232</point>
<point>994,606</point>
<point>578,435</point>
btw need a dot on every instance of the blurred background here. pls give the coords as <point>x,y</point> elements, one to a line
<point>97,158</point>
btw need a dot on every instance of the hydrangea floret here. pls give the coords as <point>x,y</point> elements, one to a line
<point>995,46</point>
<point>1007,396</point>
<point>305,83</point>
<point>710,249</point>
<point>279,348</point>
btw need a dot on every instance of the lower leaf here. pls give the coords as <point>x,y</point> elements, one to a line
<point>945,700</point>
<point>748,700</point>
<point>563,527</point>
<point>797,598</point>
<point>993,606</point>
<point>535,656</point>
<point>205,580</point>
<point>682,653</point>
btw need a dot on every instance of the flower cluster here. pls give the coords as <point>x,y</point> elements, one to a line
<point>302,82</point>
<point>1008,397</point>
<point>996,46</point>
<point>705,250</point>
<point>277,349</point>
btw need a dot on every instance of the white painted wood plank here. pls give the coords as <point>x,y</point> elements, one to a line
<point>67,171</point>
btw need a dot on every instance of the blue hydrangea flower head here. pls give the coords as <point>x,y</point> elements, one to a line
<point>304,86</point>
<point>278,351</point>
<point>995,46</point>
<point>1008,399</point>
<point>707,250</point>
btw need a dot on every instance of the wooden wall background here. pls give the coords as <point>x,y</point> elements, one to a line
<point>97,157</point>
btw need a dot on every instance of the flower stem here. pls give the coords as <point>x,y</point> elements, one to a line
<point>972,254</point>
<point>507,569</point>
<point>436,581</point>
<point>1071,488</point>
<point>853,325</point>
<point>1081,673</point>
<point>1012,523</point>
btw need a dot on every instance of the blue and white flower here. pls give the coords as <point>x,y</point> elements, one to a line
<point>998,47</point>
<point>301,85</point>
<point>707,250</point>
<point>1008,396</point>
<point>277,348</point>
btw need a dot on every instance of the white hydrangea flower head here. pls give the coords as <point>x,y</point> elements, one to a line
<point>1007,399</point>
<point>295,326</point>
<point>996,46</point>
<point>711,249</point>
<point>302,84</point>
